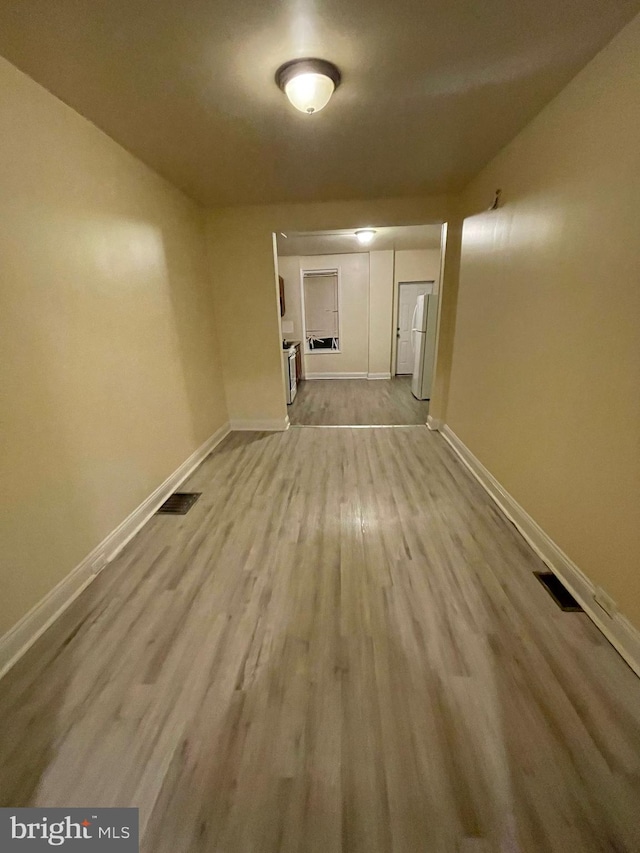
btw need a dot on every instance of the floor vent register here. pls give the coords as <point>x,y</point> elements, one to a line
<point>179,503</point>
<point>558,592</point>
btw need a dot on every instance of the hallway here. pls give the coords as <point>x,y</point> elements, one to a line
<point>342,647</point>
<point>346,402</point>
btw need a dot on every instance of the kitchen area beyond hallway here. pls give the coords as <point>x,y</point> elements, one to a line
<point>357,402</point>
<point>358,320</point>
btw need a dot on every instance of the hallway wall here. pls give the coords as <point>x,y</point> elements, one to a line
<point>243,272</point>
<point>418,265</point>
<point>546,361</point>
<point>109,374</point>
<point>381,266</point>
<point>289,269</point>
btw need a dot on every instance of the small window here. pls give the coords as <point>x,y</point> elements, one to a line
<point>321,311</point>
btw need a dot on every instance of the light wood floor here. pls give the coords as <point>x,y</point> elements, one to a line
<point>342,647</point>
<point>327,402</point>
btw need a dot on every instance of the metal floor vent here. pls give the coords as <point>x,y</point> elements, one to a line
<point>179,503</point>
<point>558,592</point>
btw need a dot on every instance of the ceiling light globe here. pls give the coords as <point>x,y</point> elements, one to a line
<point>365,236</point>
<point>308,83</point>
<point>309,92</point>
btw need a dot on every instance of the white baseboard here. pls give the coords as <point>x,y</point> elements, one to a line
<point>265,425</point>
<point>34,623</point>
<point>336,376</point>
<point>378,376</point>
<point>433,423</point>
<point>616,628</point>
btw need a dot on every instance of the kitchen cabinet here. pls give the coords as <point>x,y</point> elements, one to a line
<point>299,377</point>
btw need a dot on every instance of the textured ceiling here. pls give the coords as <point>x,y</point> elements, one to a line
<point>432,89</point>
<point>340,242</point>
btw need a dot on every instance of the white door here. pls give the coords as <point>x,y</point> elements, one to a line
<point>407,297</point>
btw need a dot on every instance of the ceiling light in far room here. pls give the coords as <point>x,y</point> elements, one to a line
<point>308,83</point>
<point>365,236</point>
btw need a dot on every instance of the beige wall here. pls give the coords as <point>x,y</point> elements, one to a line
<point>381,266</point>
<point>109,373</point>
<point>242,263</point>
<point>354,309</point>
<point>545,384</point>
<point>353,270</point>
<point>418,265</point>
<point>414,265</point>
<point>289,269</point>
<point>367,287</point>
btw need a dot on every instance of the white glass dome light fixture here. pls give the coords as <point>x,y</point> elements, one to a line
<point>364,236</point>
<point>308,83</point>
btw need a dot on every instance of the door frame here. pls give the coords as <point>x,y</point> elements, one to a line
<point>394,320</point>
<point>447,289</point>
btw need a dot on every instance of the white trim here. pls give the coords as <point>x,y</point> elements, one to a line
<point>378,376</point>
<point>434,424</point>
<point>265,425</point>
<point>615,627</point>
<point>33,624</point>
<point>336,376</point>
<point>357,426</point>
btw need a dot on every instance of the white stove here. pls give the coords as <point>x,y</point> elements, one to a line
<point>289,363</point>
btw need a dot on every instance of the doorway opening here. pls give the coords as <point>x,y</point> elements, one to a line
<point>408,293</point>
<point>349,316</point>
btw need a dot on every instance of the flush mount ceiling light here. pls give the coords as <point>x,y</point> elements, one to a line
<point>365,235</point>
<point>308,83</point>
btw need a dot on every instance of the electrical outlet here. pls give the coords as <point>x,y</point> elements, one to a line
<point>605,602</point>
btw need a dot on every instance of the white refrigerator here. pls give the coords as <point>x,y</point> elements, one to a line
<point>423,341</point>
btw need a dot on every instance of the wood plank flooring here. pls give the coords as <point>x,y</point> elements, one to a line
<point>342,647</point>
<point>328,402</point>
